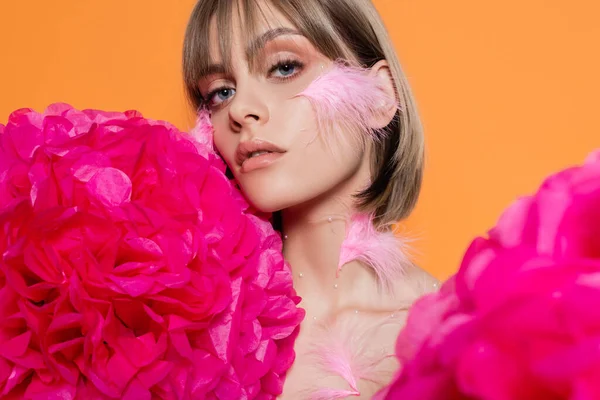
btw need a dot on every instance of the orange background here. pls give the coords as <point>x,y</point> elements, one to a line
<point>507,90</point>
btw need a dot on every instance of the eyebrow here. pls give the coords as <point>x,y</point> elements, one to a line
<point>254,46</point>
<point>262,40</point>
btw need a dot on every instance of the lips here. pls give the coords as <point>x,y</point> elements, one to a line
<point>254,149</point>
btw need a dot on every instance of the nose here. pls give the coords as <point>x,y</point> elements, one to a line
<point>247,108</point>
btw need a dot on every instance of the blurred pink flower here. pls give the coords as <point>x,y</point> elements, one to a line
<point>130,268</point>
<point>521,318</point>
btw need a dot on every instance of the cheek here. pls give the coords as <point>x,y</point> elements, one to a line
<point>326,163</point>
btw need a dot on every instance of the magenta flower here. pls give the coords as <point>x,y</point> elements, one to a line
<point>130,268</point>
<point>521,319</point>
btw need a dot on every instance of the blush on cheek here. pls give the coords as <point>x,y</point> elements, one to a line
<point>347,99</point>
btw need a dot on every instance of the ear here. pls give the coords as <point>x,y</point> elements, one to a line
<point>385,111</point>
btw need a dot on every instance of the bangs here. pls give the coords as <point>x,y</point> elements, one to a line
<point>306,16</point>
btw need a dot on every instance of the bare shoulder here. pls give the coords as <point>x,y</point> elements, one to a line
<point>416,282</point>
<point>423,281</point>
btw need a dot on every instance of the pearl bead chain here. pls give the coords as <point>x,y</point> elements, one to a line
<point>300,274</point>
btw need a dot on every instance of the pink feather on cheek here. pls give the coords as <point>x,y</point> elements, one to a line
<point>347,100</point>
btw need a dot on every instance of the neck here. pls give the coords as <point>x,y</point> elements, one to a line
<point>313,235</point>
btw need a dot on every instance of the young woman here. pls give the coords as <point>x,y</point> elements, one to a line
<point>248,63</point>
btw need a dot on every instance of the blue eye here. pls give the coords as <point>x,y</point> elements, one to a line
<point>286,69</point>
<point>219,96</point>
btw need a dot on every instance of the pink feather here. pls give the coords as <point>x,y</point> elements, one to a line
<point>336,357</point>
<point>346,99</point>
<point>384,252</point>
<point>203,133</point>
<point>345,350</point>
<point>331,394</point>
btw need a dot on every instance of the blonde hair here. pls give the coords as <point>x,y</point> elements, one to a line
<point>338,29</point>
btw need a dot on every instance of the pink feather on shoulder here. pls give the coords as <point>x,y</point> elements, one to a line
<point>384,252</point>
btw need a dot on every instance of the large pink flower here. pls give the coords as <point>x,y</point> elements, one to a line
<point>130,268</point>
<point>521,319</point>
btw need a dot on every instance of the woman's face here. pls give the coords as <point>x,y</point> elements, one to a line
<point>267,136</point>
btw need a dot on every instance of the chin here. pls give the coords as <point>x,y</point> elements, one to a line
<point>263,204</point>
<point>263,190</point>
<point>270,198</point>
